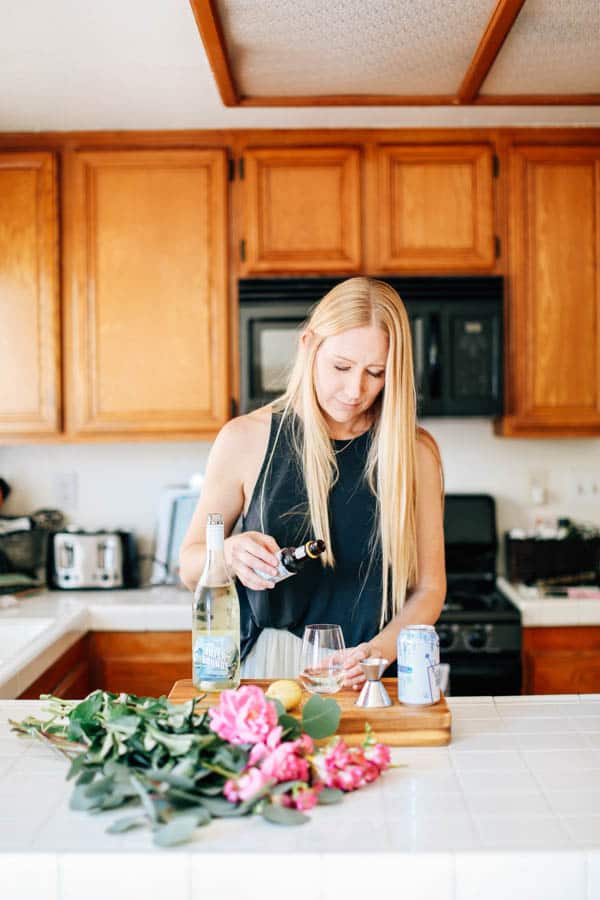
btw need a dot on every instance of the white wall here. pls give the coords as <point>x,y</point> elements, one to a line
<point>118,485</point>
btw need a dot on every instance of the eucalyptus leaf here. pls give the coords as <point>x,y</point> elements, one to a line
<point>100,786</point>
<point>320,717</point>
<point>125,824</point>
<point>144,797</point>
<point>80,800</point>
<point>327,796</point>
<point>278,706</point>
<point>284,815</point>
<point>177,831</point>
<point>285,786</point>
<point>292,728</point>
<point>220,808</point>
<point>85,711</point>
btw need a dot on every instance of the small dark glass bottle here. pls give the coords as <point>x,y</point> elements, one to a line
<point>292,560</point>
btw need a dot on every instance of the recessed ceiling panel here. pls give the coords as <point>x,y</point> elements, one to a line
<point>552,48</point>
<point>301,47</point>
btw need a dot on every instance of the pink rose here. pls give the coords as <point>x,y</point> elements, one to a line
<point>243,716</point>
<point>284,764</point>
<point>246,786</point>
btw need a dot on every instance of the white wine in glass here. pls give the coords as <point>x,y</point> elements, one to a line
<point>322,659</point>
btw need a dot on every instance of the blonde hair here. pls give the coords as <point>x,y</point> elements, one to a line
<point>390,468</point>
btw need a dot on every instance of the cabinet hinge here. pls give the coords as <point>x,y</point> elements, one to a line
<point>497,246</point>
<point>243,250</point>
<point>232,169</point>
<point>241,167</point>
<point>495,165</point>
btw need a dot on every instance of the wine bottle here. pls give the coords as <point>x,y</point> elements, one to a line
<point>216,618</point>
<point>292,559</point>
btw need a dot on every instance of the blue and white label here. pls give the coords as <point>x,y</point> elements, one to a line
<point>214,658</point>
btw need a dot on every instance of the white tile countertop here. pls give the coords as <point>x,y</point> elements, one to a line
<point>511,808</point>
<point>543,612</point>
<point>36,630</point>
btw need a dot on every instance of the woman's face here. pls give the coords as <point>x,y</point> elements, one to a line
<point>350,373</point>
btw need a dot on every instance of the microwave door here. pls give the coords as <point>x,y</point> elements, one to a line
<point>274,344</point>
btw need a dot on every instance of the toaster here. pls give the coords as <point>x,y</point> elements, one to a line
<point>83,560</point>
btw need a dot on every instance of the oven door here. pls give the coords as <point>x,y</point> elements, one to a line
<point>483,675</point>
<point>269,337</point>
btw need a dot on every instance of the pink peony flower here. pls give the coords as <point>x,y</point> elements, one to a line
<point>284,764</point>
<point>246,786</point>
<point>244,716</point>
<point>304,798</point>
<point>230,789</point>
<point>348,768</point>
<point>379,755</point>
<point>259,751</point>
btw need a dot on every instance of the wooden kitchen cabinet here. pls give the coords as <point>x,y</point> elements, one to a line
<point>301,210</point>
<point>30,398</point>
<point>432,209</point>
<point>553,363</point>
<point>68,677</point>
<point>146,663</point>
<point>147,348</point>
<point>561,660</point>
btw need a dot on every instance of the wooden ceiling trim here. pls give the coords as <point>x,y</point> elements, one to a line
<point>427,100</point>
<point>211,33</point>
<point>349,100</point>
<point>537,100</point>
<point>502,20</point>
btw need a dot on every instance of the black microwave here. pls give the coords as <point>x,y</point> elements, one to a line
<point>456,326</point>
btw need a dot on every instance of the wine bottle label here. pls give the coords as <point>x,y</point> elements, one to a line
<point>215,658</point>
<point>282,573</point>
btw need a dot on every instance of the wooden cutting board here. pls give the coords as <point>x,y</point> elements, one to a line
<point>397,725</point>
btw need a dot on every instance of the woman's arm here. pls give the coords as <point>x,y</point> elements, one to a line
<point>223,492</point>
<point>425,601</point>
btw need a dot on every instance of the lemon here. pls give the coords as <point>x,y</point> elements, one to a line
<point>286,691</point>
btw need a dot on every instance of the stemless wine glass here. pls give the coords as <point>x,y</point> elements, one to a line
<point>322,659</point>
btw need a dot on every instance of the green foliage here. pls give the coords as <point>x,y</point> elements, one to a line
<point>320,717</point>
<point>127,750</point>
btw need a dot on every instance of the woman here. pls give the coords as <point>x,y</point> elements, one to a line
<point>337,457</point>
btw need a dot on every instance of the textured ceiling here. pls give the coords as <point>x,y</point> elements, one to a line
<point>291,48</point>
<point>553,48</point>
<point>288,47</point>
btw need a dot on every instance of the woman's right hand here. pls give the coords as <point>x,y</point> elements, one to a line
<point>252,550</point>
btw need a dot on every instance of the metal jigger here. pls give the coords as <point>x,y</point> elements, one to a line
<point>373,692</point>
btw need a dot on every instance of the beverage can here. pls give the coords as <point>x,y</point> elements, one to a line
<point>418,665</point>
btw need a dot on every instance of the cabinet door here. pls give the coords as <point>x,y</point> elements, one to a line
<point>68,677</point>
<point>433,209</point>
<point>143,663</point>
<point>29,298</point>
<point>147,349</point>
<point>302,210</point>
<point>561,660</point>
<point>554,303</point>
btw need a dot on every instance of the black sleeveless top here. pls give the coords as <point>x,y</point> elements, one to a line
<point>349,594</point>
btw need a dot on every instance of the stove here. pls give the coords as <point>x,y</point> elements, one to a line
<point>479,627</point>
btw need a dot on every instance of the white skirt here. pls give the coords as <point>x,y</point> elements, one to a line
<point>276,654</point>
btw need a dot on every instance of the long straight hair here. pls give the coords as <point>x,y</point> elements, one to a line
<point>390,467</point>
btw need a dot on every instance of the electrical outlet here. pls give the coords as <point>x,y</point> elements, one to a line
<point>585,485</point>
<point>66,491</point>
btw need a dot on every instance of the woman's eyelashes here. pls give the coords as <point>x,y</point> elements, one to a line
<point>347,369</point>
